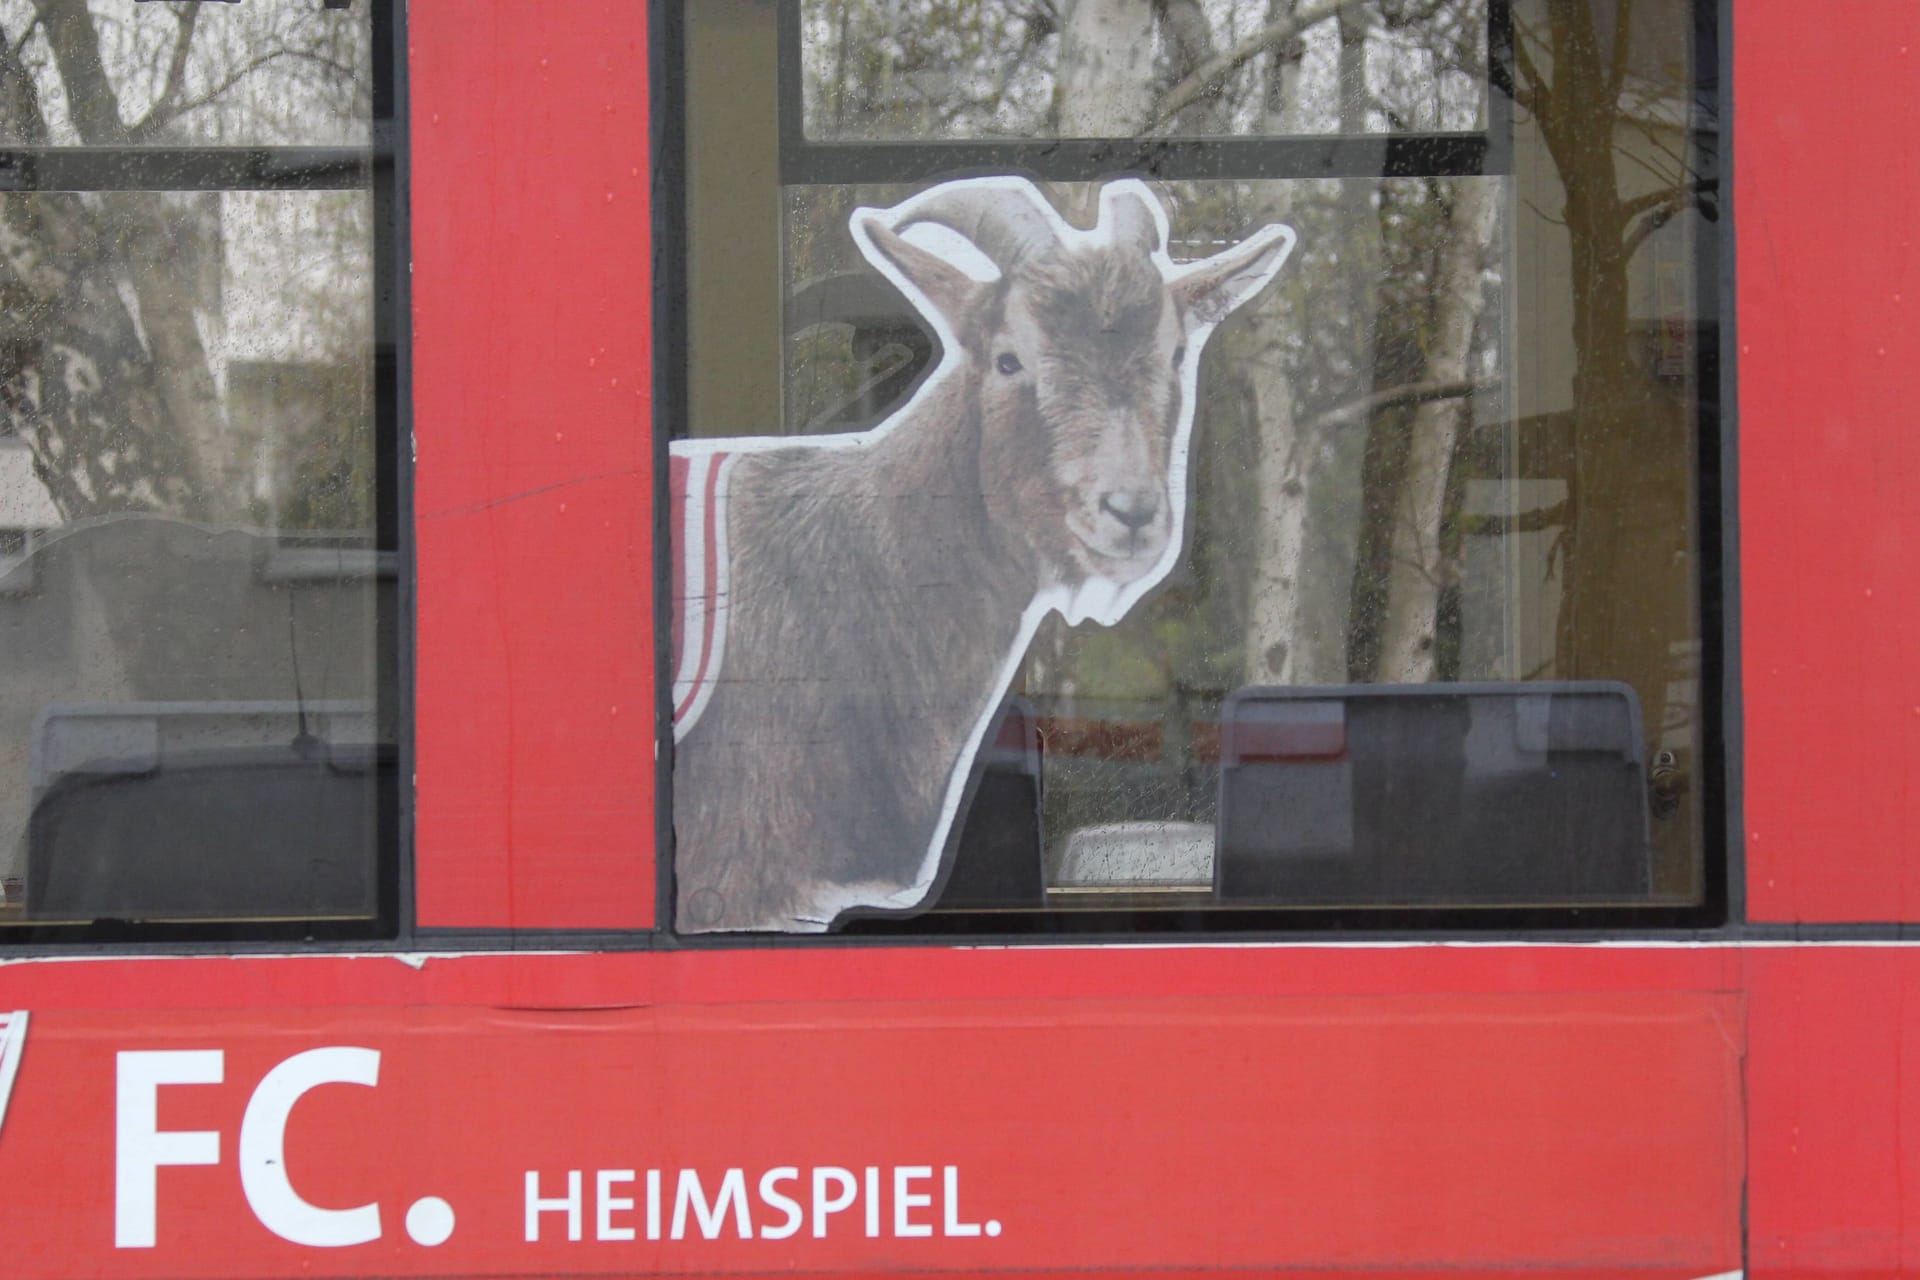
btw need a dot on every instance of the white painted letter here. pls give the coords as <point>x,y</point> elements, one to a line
<point>951,1206</point>
<point>873,1202</point>
<point>733,1186</point>
<point>139,1148</point>
<point>785,1204</point>
<point>570,1205</point>
<point>823,1206</point>
<point>607,1204</point>
<point>904,1202</point>
<point>263,1156</point>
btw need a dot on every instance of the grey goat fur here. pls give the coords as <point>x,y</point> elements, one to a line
<point>885,585</point>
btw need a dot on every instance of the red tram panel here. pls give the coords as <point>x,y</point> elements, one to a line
<point>1827,359</point>
<point>533,345</point>
<point>1687,1106</point>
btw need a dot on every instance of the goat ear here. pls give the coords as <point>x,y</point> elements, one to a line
<point>952,292</point>
<point>1211,289</point>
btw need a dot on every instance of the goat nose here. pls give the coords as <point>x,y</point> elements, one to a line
<point>1134,508</point>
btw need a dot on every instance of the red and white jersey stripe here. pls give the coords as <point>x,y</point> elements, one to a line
<point>698,508</point>
<point>13,1040</point>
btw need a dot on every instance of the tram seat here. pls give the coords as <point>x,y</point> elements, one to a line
<point>1527,794</point>
<point>276,830</point>
<point>997,861</point>
<point>160,672</point>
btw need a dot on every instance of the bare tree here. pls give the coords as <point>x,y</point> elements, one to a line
<point>1267,540</point>
<point>115,298</point>
<point>1277,633</point>
<point>1630,520</point>
<point>1419,559</point>
<point>1105,87</point>
<point>1626,549</point>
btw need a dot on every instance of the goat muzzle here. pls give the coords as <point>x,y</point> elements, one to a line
<point>1134,508</point>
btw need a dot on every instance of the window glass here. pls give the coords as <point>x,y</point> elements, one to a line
<point>949,69</point>
<point>1433,484</point>
<point>196,581</point>
<point>120,73</point>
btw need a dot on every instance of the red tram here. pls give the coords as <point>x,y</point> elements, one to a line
<point>879,636</point>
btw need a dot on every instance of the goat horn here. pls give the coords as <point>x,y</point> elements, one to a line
<point>1132,219</point>
<point>1004,224</point>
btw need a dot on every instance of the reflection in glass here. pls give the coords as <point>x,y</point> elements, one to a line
<point>927,70</point>
<point>119,73</point>
<point>226,386</point>
<point>192,601</point>
<point>1462,441</point>
<point>189,725</point>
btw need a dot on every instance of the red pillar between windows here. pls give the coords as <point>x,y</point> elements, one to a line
<point>533,494</point>
<point>1827,184</point>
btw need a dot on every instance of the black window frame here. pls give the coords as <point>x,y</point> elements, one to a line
<point>381,167</point>
<point>1483,153</point>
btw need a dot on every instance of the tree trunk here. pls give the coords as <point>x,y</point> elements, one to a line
<point>103,370</point>
<point>1419,566</point>
<point>1629,571</point>
<point>1628,565</point>
<point>1105,87</point>
<point>1275,617</point>
<point>1275,626</point>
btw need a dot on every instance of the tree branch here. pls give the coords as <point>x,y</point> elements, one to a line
<point>1537,520</point>
<point>1673,198</point>
<point>1410,15</point>
<point>1363,409</point>
<point>1186,26</point>
<point>1622,47</point>
<point>176,73</point>
<point>1209,77</point>
<point>1682,200</point>
<point>1530,96</point>
<point>20,45</point>
<point>1008,70</point>
<point>20,117</point>
<point>158,120</point>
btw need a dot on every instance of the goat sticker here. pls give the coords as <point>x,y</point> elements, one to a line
<point>850,610</point>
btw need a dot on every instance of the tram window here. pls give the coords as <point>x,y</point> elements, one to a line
<point>974,632</point>
<point>197,595</point>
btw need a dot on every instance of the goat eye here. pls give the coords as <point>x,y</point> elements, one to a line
<point>1008,363</point>
<point>1179,354</point>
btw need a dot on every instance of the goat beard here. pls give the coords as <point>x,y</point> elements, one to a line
<point>1083,594</point>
